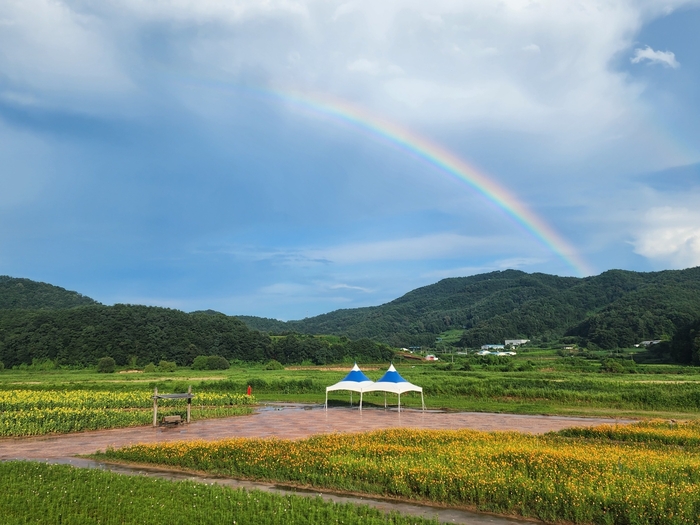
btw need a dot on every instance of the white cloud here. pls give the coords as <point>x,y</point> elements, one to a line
<point>426,247</point>
<point>434,246</point>
<point>667,58</point>
<point>47,47</point>
<point>519,263</point>
<point>447,64</point>
<point>362,65</point>
<point>350,287</point>
<point>670,235</point>
<point>460,65</point>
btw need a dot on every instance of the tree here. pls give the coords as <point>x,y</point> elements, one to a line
<point>106,365</point>
<point>167,366</point>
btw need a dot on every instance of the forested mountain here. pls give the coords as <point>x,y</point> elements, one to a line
<point>28,294</point>
<point>80,336</point>
<point>265,324</point>
<point>615,308</point>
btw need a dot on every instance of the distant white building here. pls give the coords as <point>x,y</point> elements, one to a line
<point>493,347</point>
<point>649,343</point>
<point>498,350</point>
<point>516,342</point>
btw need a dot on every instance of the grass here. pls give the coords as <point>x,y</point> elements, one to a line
<point>536,381</point>
<point>51,494</point>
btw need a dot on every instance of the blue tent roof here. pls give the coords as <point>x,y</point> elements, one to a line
<point>356,375</point>
<point>391,376</point>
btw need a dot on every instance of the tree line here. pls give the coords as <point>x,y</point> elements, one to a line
<point>80,336</point>
<point>615,309</point>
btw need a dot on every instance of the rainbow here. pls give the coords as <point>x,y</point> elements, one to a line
<point>446,162</point>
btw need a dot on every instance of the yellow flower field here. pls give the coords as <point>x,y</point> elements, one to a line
<point>37,412</point>
<point>552,477</point>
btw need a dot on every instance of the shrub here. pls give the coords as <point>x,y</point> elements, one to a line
<point>106,365</point>
<point>200,362</point>
<point>2,366</point>
<point>150,368</point>
<point>273,364</point>
<point>612,366</point>
<point>167,366</point>
<point>216,362</point>
<point>210,362</point>
<point>527,366</point>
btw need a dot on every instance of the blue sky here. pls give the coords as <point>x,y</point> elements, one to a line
<point>143,159</point>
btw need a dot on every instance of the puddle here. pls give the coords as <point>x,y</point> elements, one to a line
<point>443,515</point>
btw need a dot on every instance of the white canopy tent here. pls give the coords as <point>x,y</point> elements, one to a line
<point>355,381</point>
<point>392,382</point>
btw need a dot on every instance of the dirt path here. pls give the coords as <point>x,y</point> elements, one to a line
<point>284,422</point>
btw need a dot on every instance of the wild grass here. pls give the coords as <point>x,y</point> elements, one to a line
<point>52,494</point>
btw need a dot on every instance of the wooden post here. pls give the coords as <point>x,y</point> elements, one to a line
<point>189,402</point>
<point>155,407</point>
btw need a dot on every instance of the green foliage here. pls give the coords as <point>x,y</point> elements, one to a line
<point>106,365</point>
<point>615,309</point>
<point>2,366</point>
<point>150,368</point>
<point>273,365</point>
<point>210,362</point>
<point>80,336</point>
<point>685,346</point>
<point>167,366</point>
<point>200,362</point>
<point>612,366</point>
<point>71,496</point>
<point>216,362</point>
<point>27,294</point>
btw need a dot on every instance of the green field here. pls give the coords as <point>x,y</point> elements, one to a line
<point>71,496</point>
<point>536,381</point>
<point>654,464</point>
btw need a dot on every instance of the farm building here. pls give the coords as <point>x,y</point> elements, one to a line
<point>516,342</point>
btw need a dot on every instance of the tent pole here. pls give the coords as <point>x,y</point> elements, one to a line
<point>326,405</point>
<point>360,400</point>
<point>422,402</point>
<point>350,397</point>
<point>399,403</point>
<point>384,400</point>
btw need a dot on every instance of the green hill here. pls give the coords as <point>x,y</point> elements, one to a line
<point>28,294</point>
<point>127,333</point>
<point>615,308</point>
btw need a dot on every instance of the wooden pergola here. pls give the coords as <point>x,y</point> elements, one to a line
<point>156,396</point>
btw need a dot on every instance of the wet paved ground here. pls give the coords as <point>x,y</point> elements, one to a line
<point>284,422</point>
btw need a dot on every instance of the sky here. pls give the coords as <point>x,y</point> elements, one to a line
<point>287,158</point>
